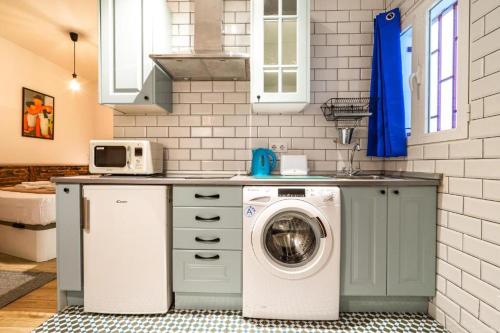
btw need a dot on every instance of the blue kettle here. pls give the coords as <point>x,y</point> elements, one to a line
<point>263,162</point>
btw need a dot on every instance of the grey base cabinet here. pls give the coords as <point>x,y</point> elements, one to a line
<point>69,245</point>
<point>388,241</point>
<point>411,246</point>
<point>207,241</point>
<point>364,239</point>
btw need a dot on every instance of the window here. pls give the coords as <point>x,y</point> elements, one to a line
<point>436,93</point>
<point>442,67</point>
<point>406,60</point>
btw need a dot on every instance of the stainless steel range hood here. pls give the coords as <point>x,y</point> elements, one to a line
<point>207,62</point>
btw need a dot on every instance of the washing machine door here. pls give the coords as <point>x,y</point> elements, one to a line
<point>292,239</point>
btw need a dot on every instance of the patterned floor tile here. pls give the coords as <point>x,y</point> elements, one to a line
<point>73,319</point>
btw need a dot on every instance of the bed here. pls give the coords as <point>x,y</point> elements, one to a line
<point>27,222</point>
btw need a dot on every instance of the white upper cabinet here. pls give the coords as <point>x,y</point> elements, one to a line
<point>131,30</point>
<point>280,55</point>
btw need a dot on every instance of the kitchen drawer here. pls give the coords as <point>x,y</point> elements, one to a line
<point>207,196</point>
<point>207,239</point>
<point>208,217</point>
<point>202,271</point>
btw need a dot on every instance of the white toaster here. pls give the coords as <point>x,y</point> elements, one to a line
<point>293,165</point>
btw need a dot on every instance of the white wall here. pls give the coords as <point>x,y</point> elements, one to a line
<point>78,117</point>
<point>468,280</point>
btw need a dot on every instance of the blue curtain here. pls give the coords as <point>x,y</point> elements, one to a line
<point>386,126</point>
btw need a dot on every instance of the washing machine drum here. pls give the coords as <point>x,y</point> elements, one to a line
<point>292,238</point>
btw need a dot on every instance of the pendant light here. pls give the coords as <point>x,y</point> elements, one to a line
<point>74,84</point>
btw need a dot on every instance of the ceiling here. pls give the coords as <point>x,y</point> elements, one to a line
<point>43,27</point>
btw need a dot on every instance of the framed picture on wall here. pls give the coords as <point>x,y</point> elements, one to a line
<point>37,115</point>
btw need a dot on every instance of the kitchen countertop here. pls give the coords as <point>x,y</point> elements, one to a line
<point>378,178</point>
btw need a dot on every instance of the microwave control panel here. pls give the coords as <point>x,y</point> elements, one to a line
<point>137,158</point>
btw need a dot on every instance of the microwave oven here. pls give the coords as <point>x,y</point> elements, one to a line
<point>125,157</point>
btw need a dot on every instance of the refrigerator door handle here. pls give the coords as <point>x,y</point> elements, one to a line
<point>86,214</point>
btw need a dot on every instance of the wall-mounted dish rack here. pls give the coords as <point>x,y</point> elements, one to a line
<point>348,109</point>
<point>347,114</point>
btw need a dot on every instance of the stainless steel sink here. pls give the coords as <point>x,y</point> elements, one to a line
<point>368,177</point>
<point>200,176</point>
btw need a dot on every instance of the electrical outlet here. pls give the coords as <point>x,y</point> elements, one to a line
<point>278,146</point>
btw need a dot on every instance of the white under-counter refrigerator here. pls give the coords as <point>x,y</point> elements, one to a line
<point>126,249</point>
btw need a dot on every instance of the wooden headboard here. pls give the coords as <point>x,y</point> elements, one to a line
<point>11,175</point>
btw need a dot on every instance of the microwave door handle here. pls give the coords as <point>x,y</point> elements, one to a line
<point>129,156</point>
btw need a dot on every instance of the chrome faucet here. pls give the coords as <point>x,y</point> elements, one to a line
<point>350,168</point>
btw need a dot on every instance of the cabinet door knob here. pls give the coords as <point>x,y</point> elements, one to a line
<point>382,191</point>
<point>66,190</point>
<point>258,98</point>
<point>146,98</point>
<point>395,192</point>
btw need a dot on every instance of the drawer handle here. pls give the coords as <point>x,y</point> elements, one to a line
<point>201,196</point>
<point>215,257</point>
<point>207,219</point>
<point>201,240</point>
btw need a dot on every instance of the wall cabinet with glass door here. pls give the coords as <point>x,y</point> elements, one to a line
<point>280,55</point>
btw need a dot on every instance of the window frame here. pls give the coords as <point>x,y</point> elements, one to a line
<point>440,80</point>
<point>405,28</point>
<point>418,18</point>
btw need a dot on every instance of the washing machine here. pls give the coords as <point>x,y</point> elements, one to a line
<point>291,252</point>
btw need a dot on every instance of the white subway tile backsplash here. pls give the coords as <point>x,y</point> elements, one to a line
<point>485,209</point>
<point>201,109</point>
<point>482,290</point>
<point>464,224</point>
<point>235,120</point>
<point>135,132</point>
<point>491,189</point>
<point>192,143</point>
<point>483,250</point>
<point>490,273</point>
<point>471,323</point>
<point>449,237</point>
<point>465,186</point>
<point>212,97</point>
<point>489,316</point>
<point>225,132</point>
<point>466,149</point>
<point>482,168</point>
<point>453,203</point>
<point>492,147</point>
<point>234,97</point>
<point>464,261</point>
<point>157,132</point>
<point>491,232</point>
<point>463,298</point>
<point>447,305</point>
<point>212,143</point>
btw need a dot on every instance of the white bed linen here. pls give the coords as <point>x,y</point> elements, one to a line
<point>27,208</point>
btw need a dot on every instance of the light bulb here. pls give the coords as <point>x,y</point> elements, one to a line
<point>74,84</point>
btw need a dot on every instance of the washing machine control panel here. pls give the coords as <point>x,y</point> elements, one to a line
<point>288,192</point>
<point>264,194</point>
<point>292,192</point>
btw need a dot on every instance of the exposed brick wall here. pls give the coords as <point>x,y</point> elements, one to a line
<point>11,175</point>
<point>212,126</point>
<point>468,280</point>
